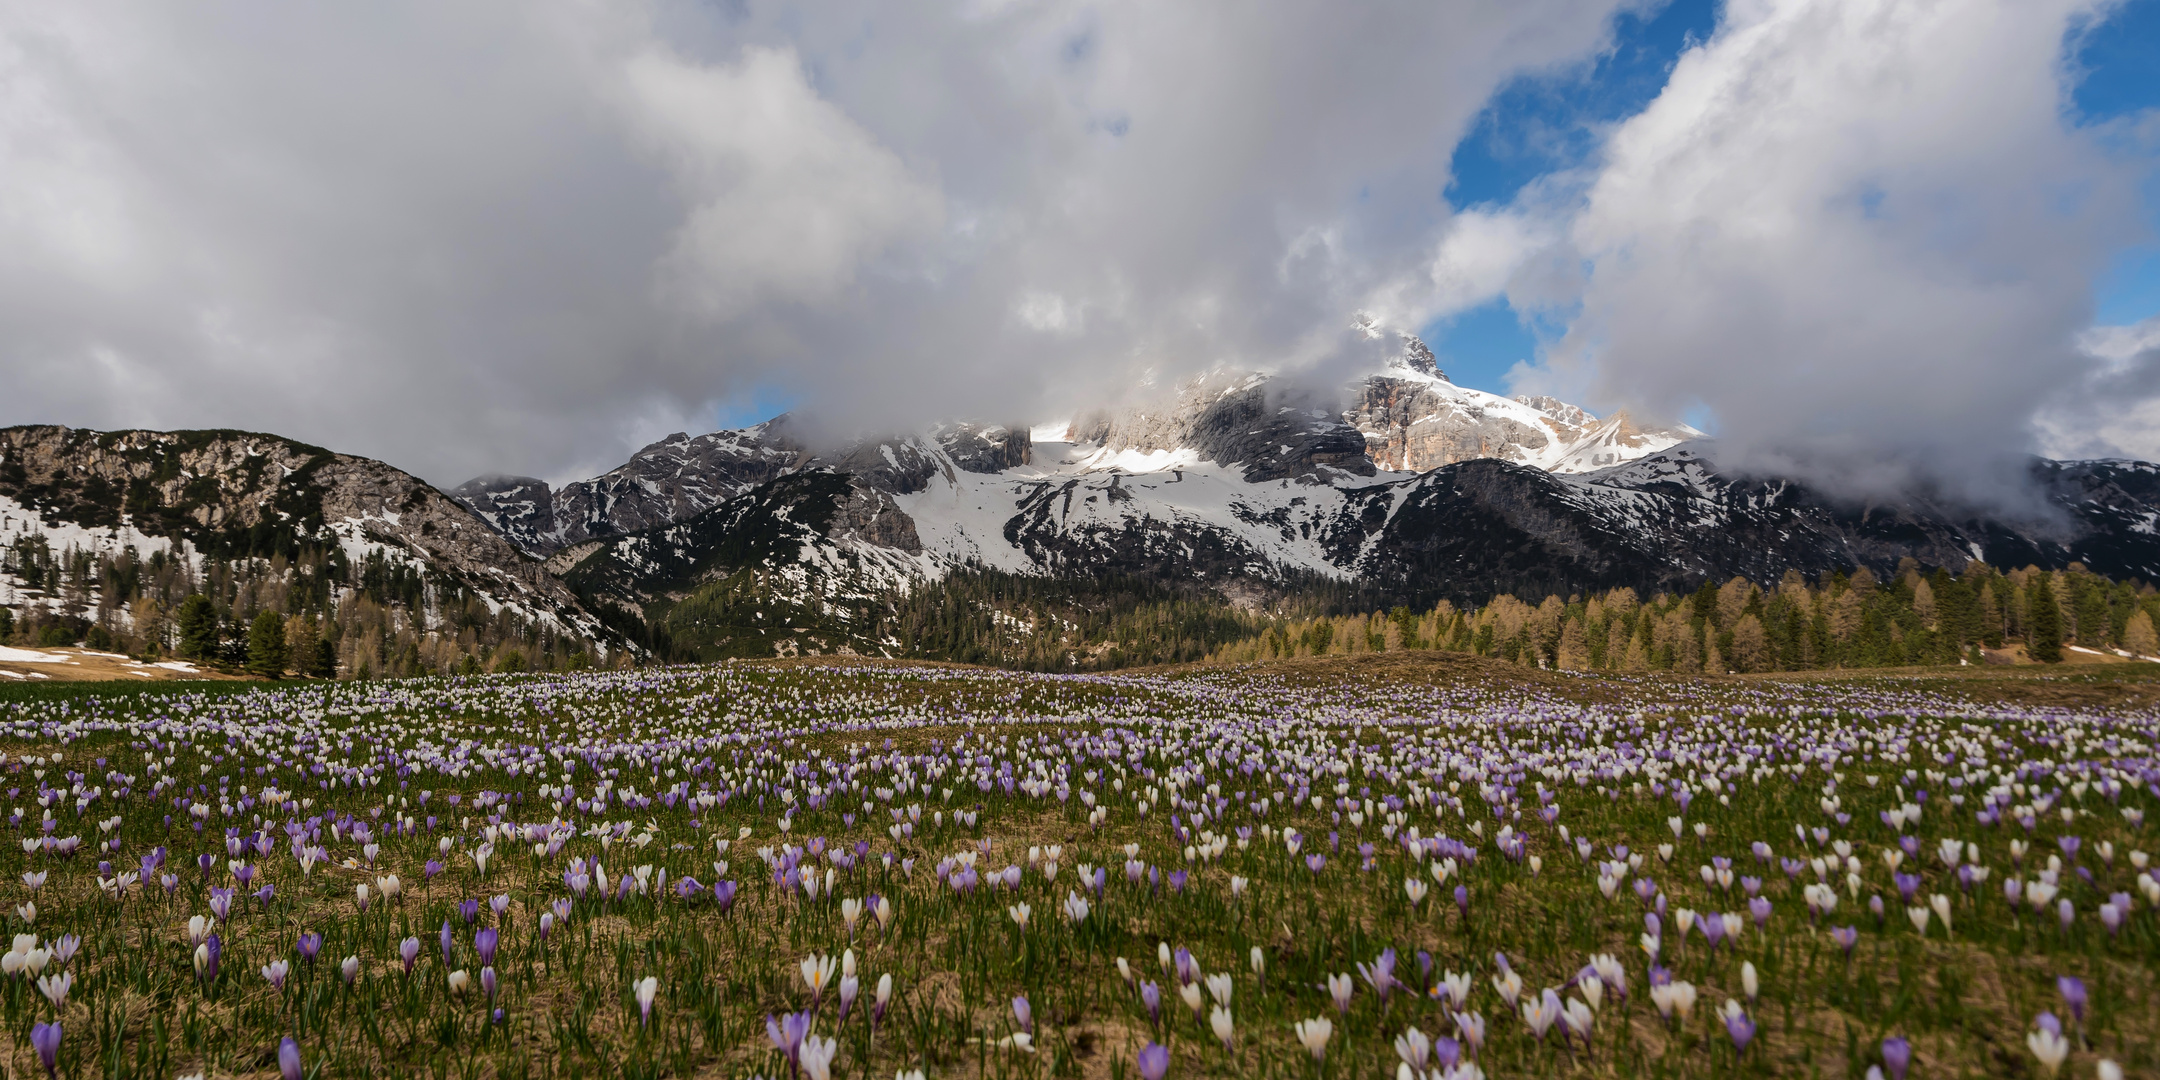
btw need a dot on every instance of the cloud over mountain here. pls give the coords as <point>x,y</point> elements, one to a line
<point>532,236</point>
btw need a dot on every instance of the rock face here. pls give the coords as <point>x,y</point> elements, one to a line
<point>516,506</point>
<point>765,528</point>
<point>676,478</point>
<point>680,477</point>
<point>985,448</point>
<point>233,494</point>
<point>1411,425</point>
<point>1244,421</point>
<point>1413,422</point>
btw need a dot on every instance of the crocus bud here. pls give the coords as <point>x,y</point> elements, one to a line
<point>288,1059</point>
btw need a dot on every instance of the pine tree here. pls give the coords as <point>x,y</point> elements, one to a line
<point>198,622</point>
<point>266,645</point>
<point>2044,632</point>
<point>324,663</point>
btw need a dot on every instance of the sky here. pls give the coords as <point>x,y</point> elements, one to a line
<point>1877,243</point>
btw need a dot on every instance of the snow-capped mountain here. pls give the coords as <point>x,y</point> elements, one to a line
<point>1238,483</point>
<point>1414,488</point>
<point>1414,419</point>
<point>1088,508</point>
<point>1408,419</point>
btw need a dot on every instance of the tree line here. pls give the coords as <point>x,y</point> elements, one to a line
<point>1837,621</point>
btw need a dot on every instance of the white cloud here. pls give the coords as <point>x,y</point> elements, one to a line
<point>788,197</point>
<point>2119,345</point>
<point>508,236</point>
<point>2114,409</point>
<point>1858,231</point>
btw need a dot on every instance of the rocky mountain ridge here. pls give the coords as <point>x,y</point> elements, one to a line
<point>1409,419</point>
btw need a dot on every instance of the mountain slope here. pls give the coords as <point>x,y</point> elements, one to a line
<point>1463,532</point>
<point>1673,520</point>
<point>1408,419</point>
<point>268,524</point>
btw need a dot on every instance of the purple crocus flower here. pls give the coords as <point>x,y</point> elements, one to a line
<point>1907,885</point>
<point>2073,995</point>
<point>1315,861</point>
<point>1897,1055</point>
<point>448,943</point>
<point>46,1039</point>
<point>471,910</point>
<point>1759,908</point>
<point>409,951</point>
<point>1447,1052</point>
<point>1151,996</point>
<point>308,946</point>
<point>1462,900</point>
<point>1154,1061</point>
<point>484,943</point>
<point>723,894</point>
<point>288,1059</point>
<point>1380,975</point>
<point>787,1032</point>
<point>1023,1015</point>
<point>1740,1028</point>
<point>488,982</point>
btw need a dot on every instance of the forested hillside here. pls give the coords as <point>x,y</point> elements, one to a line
<point>1837,621</point>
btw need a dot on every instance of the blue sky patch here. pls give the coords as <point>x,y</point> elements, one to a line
<point>762,403</point>
<point>1539,124</point>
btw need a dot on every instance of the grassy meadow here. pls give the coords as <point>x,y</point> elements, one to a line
<point>1406,864</point>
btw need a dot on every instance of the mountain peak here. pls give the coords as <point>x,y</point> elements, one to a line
<point>1417,358</point>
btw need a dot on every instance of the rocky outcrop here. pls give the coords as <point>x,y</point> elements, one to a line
<point>1411,425</point>
<point>682,476</point>
<point>985,448</point>
<point>673,479</point>
<point>516,506</point>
